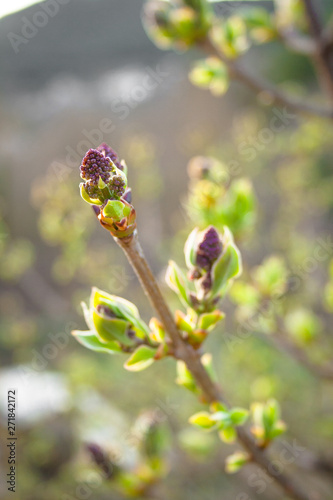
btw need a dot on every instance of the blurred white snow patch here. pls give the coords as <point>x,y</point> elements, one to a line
<point>38,395</point>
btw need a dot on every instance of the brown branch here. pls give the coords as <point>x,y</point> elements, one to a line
<point>185,352</point>
<point>260,86</point>
<point>321,56</point>
<point>296,42</point>
<point>327,36</point>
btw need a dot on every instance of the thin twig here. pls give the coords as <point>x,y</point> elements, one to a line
<point>281,341</point>
<point>185,352</point>
<point>321,56</point>
<point>260,86</point>
<point>296,42</point>
<point>327,36</point>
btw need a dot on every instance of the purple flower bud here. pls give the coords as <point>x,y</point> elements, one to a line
<point>117,185</point>
<point>209,249</point>
<point>94,166</point>
<point>206,282</point>
<point>91,189</point>
<point>100,458</point>
<point>110,153</point>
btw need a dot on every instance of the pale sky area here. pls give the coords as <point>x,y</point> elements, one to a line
<point>14,5</point>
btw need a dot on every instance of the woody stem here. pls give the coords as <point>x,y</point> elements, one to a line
<point>183,351</point>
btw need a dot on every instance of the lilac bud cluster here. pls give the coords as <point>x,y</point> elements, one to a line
<point>94,166</point>
<point>101,164</point>
<point>110,153</point>
<point>209,249</point>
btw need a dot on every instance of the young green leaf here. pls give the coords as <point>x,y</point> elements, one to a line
<point>177,281</point>
<point>228,434</point>
<point>223,418</point>
<point>227,267</point>
<point>190,247</point>
<point>109,329</point>
<point>238,416</point>
<point>157,330</point>
<point>116,210</point>
<point>236,461</point>
<point>185,377</point>
<point>271,414</point>
<point>302,325</point>
<point>141,358</point>
<point>207,321</point>
<point>85,196</point>
<point>203,420</point>
<point>207,361</point>
<point>90,341</point>
<point>183,322</point>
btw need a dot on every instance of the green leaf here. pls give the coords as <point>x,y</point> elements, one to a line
<point>230,36</point>
<point>183,322</point>
<point>90,341</point>
<point>228,434</point>
<point>236,461</point>
<point>217,406</point>
<point>85,196</point>
<point>190,248</point>
<point>207,321</point>
<point>223,418</point>
<point>271,276</point>
<point>266,418</point>
<point>141,358</point>
<point>271,414</point>
<point>203,420</point>
<point>244,294</point>
<point>121,173</point>
<point>278,429</point>
<point>157,330</point>
<point>120,306</point>
<point>227,267</point>
<point>303,325</point>
<point>207,361</point>
<point>116,210</point>
<point>210,73</point>
<point>184,377</point>
<point>257,410</point>
<point>177,281</point>
<point>109,329</point>
<point>260,23</point>
<point>239,416</point>
<point>87,315</point>
<point>125,169</point>
<point>101,184</point>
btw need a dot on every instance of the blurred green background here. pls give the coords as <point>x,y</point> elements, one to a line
<point>92,75</point>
